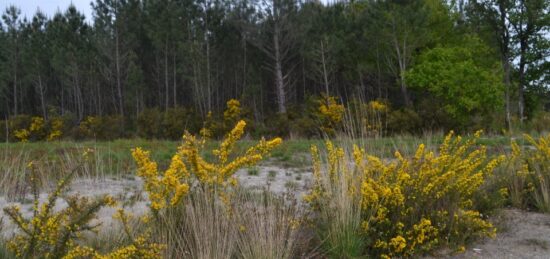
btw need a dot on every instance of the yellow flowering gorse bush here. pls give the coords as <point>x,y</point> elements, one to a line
<point>37,130</point>
<point>140,246</point>
<point>233,111</point>
<point>55,131</point>
<point>409,205</point>
<point>331,113</point>
<point>528,174</point>
<point>22,135</point>
<point>189,168</point>
<point>54,233</point>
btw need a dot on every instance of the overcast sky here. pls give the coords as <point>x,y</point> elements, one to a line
<point>49,7</point>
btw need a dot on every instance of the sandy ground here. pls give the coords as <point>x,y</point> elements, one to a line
<point>128,191</point>
<point>521,234</point>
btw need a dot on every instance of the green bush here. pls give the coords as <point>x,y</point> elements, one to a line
<point>404,121</point>
<point>112,128</point>
<point>278,125</point>
<point>176,121</point>
<point>149,123</point>
<point>100,128</point>
<point>18,122</point>
<point>540,122</point>
<point>3,131</point>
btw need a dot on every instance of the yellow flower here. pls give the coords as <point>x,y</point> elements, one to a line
<point>23,135</point>
<point>233,111</point>
<point>331,113</point>
<point>187,167</point>
<point>398,243</point>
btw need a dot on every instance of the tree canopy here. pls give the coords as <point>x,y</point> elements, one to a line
<point>470,57</point>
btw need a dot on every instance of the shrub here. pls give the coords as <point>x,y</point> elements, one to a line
<point>56,127</point>
<point>203,226</point>
<point>527,174</point>
<point>330,114</point>
<point>404,121</point>
<point>463,78</point>
<point>232,113</point>
<point>90,127</point>
<point>54,234</point>
<point>112,128</point>
<point>278,124</point>
<point>367,119</point>
<point>176,121</point>
<point>188,168</point>
<point>149,123</point>
<point>4,130</point>
<point>25,128</point>
<point>101,128</point>
<point>18,127</point>
<point>540,122</point>
<point>409,205</point>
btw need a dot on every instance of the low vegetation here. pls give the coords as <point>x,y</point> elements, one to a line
<point>359,203</point>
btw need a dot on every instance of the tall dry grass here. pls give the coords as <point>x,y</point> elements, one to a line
<point>268,225</point>
<point>337,214</point>
<point>526,175</point>
<point>251,225</point>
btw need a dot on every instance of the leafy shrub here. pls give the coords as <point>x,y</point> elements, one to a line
<point>90,127</point>
<point>212,127</point>
<point>55,127</point>
<point>113,128</point>
<point>409,205</point>
<point>540,122</point>
<point>18,127</point>
<point>149,123</point>
<point>278,124</point>
<point>404,121</point>
<point>463,78</point>
<point>176,121</point>
<point>101,128</point>
<point>4,130</point>
<point>26,128</point>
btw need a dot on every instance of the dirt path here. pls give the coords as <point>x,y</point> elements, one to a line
<point>521,234</point>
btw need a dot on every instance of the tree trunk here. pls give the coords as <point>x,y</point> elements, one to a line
<point>175,82</point>
<point>118,76</point>
<point>166,87</point>
<point>521,88</point>
<point>279,82</point>
<point>402,61</point>
<point>42,101</point>
<point>15,89</point>
<point>325,74</point>
<point>506,65</point>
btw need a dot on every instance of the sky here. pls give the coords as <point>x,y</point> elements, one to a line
<point>49,7</point>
